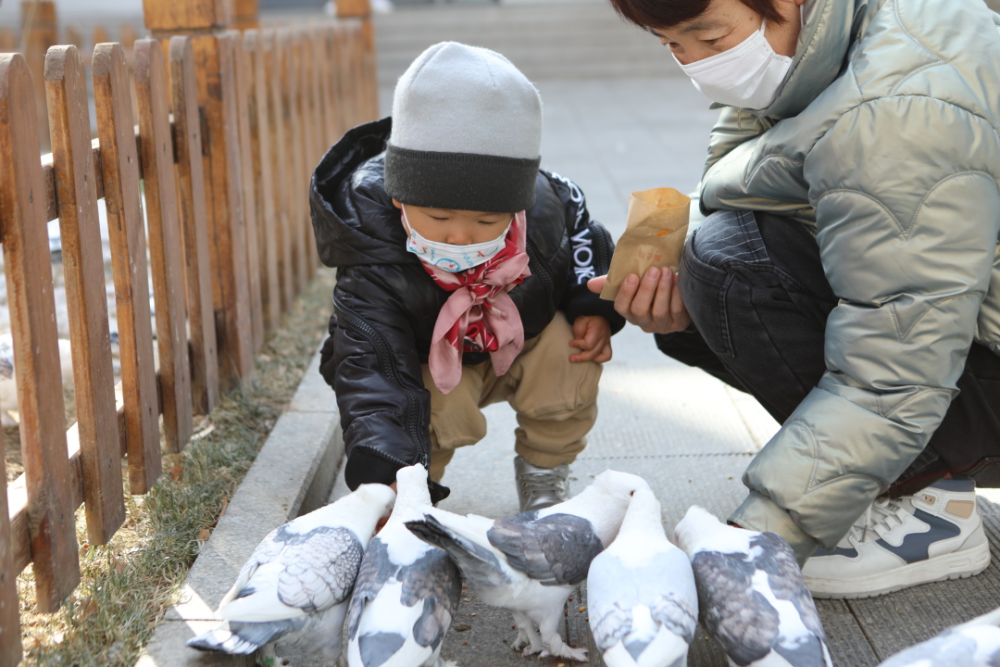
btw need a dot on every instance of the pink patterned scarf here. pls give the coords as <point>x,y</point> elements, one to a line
<point>480,316</point>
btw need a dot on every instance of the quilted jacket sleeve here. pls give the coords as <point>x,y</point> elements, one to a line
<point>907,225</point>
<point>371,362</point>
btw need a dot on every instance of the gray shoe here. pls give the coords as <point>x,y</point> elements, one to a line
<point>538,488</point>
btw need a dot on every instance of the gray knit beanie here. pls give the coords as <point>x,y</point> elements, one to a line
<point>466,132</point>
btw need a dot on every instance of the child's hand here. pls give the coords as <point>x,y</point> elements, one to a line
<point>593,338</point>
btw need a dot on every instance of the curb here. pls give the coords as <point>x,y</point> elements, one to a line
<point>293,474</point>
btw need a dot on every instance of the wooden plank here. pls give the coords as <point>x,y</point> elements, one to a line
<point>245,14</point>
<point>283,199</point>
<point>33,327</point>
<point>293,102</point>
<point>370,69</point>
<point>303,130</point>
<point>164,241</point>
<point>120,164</point>
<point>38,32</point>
<point>331,110</point>
<point>256,43</point>
<point>317,139</point>
<point>352,8</point>
<point>8,40</point>
<point>215,69</point>
<point>246,100</point>
<point>10,620</point>
<point>164,16</point>
<point>194,227</point>
<point>86,295</point>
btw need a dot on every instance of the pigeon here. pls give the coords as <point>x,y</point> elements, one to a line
<point>295,587</point>
<point>751,594</point>
<point>972,644</point>
<point>407,592</point>
<point>641,597</point>
<point>531,562</point>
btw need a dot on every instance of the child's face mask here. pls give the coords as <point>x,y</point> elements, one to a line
<point>448,256</point>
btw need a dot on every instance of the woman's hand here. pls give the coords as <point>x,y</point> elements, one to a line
<point>593,337</point>
<point>654,304</point>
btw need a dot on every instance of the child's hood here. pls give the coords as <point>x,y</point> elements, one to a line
<point>353,218</point>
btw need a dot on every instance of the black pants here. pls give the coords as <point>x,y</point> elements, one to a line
<point>755,288</point>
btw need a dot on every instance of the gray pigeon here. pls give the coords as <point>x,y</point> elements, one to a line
<point>972,644</point>
<point>407,592</point>
<point>641,597</point>
<point>531,562</point>
<point>295,587</point>
<point>752,597</point>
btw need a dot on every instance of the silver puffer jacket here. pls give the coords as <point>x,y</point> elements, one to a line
<point>885,139</point>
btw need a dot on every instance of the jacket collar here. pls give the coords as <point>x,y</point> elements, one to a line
<point>820,56</point>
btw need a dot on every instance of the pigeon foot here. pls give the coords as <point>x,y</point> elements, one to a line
<point>578,654</point>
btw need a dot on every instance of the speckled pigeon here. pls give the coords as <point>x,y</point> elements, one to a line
<point>972,644</point>
<point>751,594</point>
<point>407,592</point>
<point>641,597</point>
<point>295,587</point>
<point>531,562</point>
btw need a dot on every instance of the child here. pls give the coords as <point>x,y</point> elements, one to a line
<point>461,281</point>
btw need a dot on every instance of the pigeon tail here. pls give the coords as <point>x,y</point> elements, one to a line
<point>477,563</point>
<point>241,638</point>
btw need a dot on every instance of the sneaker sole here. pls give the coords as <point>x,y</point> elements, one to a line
<point>957,565</point>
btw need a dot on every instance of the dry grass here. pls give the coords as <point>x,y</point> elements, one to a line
<point>128,584</point>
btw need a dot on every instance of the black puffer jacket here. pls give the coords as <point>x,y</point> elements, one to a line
<point>386,305</point>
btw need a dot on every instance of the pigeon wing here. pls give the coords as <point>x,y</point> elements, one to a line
<point>434,579</point>
<point>322,568</point>
<point>555,550</point>
<point>778,560</point>
<point>740,618</point>
<point>376,569</point>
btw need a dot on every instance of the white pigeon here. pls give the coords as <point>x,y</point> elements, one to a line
<point>407,592</point>
<point>295,587</point>
<point>531,562</point>
<point>751,594</point>
<point>641,597</point>
<point>972,644</point>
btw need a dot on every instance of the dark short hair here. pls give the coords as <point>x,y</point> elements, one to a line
<point>668,13</point>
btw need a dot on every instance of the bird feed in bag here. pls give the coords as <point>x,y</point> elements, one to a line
<point>654,236</point>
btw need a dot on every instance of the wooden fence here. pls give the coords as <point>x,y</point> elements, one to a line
<point>229,246</point>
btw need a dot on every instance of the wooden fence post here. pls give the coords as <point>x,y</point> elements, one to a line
<point>245,100</point>
<point>10,619</point>
<point>206,20</point>
<point>245,15</point>
<point>120,163</point>
<point>86,292</point>
<point>194,225</point>
<point>164,240</point>
<point>51,523</point>
<point>257,43</point>
<point>277,74</point>
<point>38,33</point>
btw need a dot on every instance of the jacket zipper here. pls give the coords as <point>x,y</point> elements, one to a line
<point>384,356</point>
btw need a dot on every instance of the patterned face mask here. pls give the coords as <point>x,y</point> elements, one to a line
<point>450,257</point>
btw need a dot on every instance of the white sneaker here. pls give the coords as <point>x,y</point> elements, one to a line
<point>933,535</point>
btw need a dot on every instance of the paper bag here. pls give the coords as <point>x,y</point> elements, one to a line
<point>654,236</point>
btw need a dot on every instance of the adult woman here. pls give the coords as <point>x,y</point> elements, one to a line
<point>848,275</point>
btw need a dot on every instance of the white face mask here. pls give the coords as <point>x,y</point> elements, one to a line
<point>747,75</point>
<point>450,257</point>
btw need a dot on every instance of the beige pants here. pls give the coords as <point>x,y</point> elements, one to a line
<point>555,400</point>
